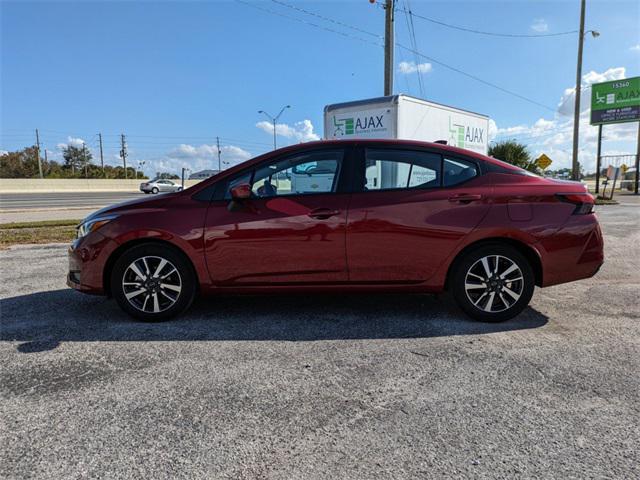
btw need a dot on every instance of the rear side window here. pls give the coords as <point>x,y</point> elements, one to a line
<point>388,169</point>
<point>457,171</point>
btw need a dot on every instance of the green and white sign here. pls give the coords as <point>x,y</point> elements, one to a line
<point>617,101</point>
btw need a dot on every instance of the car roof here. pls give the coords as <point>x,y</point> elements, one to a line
<point>360,142</point>
<point>404,143</point>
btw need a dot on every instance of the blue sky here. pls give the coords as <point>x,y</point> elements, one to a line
<point>174,75</point>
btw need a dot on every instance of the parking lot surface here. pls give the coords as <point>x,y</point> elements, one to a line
<point>285,387</point>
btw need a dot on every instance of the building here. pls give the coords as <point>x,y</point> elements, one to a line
<point>202,174</point>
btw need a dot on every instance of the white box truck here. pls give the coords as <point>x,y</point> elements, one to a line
<point>408,118</point>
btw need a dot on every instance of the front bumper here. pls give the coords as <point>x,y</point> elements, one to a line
<point>87,261</point>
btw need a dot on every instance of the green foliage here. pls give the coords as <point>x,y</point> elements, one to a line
<point>76,158</point>
<point>167,176</point>
<point>24,164</point>
<point>514,153</point>
<point>20,164</point>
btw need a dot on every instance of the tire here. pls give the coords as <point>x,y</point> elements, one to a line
<point>498,296</point>
<point>156,300</point>
<point>154,190</point>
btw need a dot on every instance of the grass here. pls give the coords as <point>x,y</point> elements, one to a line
<point>48,231</point>
<point>605,201</point>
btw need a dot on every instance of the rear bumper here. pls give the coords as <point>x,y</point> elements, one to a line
<point>574,252</point>
<point>87,261</point>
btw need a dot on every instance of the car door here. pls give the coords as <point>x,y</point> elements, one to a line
<point>412,209</point>
<point>292,229</point>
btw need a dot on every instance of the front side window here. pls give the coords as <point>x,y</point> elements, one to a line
<point>387,169</point>
<point>301,174</point>
<point>314,172</point>
<point>457,171</point>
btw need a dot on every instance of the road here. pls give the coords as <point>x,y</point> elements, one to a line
<point>62,200</point>
<point>322,387</point>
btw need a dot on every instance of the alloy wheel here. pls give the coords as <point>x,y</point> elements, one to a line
<point>494,283</point>
<point>151,284</point>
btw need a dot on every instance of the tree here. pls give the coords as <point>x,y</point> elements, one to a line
<point>20,164</point>
<point>75,158</point>
<point>167,176</point>
<point>514,153</point>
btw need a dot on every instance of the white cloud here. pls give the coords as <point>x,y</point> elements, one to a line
<point>200,157</point>
<point>493,129</point>
<point>554,136</point>
<point>635,48</point>
<point>540,25</point>
<point>413,67</point>
<point>300,131</point>
<point>567,101</point>
<point>75,142</point>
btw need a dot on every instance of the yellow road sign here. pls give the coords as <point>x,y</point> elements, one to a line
<point>543,161</point>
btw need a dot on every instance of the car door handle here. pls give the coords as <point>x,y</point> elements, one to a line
<point>465,198</point>
<point>323,213</point>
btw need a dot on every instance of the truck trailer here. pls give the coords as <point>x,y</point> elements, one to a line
<point>408,118</point>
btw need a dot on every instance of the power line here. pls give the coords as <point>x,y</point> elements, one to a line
<point>322,17</point>
<point>414,51</point>
<point>344,34</point>
<point>492,34</point>
<point>414,44</point>
<point>478,79</point>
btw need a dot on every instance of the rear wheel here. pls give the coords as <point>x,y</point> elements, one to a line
<point>493,283</point>
<point>153,282</point>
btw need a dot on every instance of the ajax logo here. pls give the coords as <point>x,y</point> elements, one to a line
<point>465,136</point>
<point>352,126</point>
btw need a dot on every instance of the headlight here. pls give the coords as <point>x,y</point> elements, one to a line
<point>92,225</point>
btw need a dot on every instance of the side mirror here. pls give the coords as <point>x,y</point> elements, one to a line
<point>241,192</point>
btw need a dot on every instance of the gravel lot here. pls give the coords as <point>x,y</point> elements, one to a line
<point>322,387</point>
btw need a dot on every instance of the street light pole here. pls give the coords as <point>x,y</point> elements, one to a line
<point>274,120</point>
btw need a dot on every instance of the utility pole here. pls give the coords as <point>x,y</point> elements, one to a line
<point>388,47</point>
<point>219,152</point>
<point>38,153</point>
<point>84,159</point>
<point>274,120</point>
<point>598,155</point>
<point>123,153</point>
<point>101,155</point>
<point>637,179</point>
<point>575,166</point>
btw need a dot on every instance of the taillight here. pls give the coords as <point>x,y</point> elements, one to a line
<point>582,201</point>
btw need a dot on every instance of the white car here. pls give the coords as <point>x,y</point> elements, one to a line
<point>158,185</point>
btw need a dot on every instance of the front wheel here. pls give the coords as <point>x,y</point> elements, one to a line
<point>154,190</point>
<point>153,282</point>
<point>493,283</point>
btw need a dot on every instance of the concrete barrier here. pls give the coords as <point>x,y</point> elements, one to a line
<point>52,185</point>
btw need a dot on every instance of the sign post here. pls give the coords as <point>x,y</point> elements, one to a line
<point>617,101</point>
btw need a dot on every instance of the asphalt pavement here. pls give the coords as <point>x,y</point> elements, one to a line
<point>62,200</point>
<point>314,386</point>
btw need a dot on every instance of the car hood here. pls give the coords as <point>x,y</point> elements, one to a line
<point>138,203</point>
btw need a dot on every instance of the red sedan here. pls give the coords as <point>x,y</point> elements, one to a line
<point>367,215</point>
